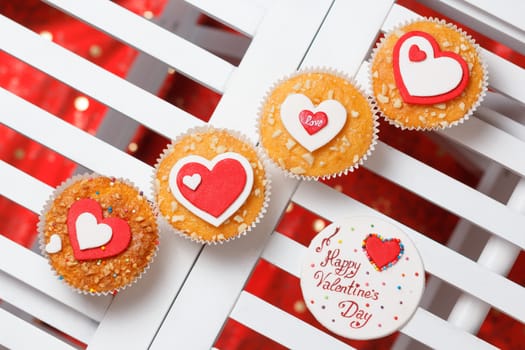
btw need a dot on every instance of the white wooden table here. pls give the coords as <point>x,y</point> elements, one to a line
<point>183,289</point>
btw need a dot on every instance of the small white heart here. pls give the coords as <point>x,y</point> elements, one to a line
<point>54,245</point>
<point>91,234</point>
<point>192,182</point>
<point>292,107</point>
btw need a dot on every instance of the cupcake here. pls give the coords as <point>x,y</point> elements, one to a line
<point>317,124</point>
<point>427,74</point>
<point>99,233</point>
<point>210,185</point>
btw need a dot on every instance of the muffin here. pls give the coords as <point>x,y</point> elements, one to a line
<point>99,233</point>
<point>317,124</point>
<point>427,74</point>
<point>211,185</point>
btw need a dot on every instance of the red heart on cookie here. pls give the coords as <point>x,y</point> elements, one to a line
<point>425,74</point>
<point>312,122</point>
<point>91,235</point>
<point>382,252</point>
<point>212,190</point>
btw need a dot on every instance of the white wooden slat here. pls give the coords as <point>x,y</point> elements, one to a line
<point>433,331</point>
<point>282,327</point>
<point>509,12</point>
<point>17,334</point>
<point>504,76</point>
<point>241,15</point>
<point>339,44</point>
<point>46,309</point>
<point>147,37</point>
<point>60,136</point>
<point>491,142</point>
<point>289,36</point>
<point>498,20</point>
<point>135,315</point>
<point>34,270</point>
<point>22,188</point>
<point>296,334</point>
<point>94,81</point>
<point>438,260</point>
<point>447,192</point>
<point>479,136</point>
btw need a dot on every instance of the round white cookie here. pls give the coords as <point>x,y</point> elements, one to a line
<point>363,278</point>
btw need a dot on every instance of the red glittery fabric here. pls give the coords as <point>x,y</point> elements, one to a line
<point>267,282</point>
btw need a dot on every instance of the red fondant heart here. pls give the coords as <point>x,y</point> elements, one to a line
<point>120,231</point>
<point>312,122</point>
<point>415,54</point>
<point>218,187</point>
<point>382,253</point>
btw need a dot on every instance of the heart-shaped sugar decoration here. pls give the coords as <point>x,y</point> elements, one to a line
<point>415,54</point>
<point>312,122</point>
<point>312,126</point>
<point>192,181</point>
<point>224,184</point>
<point>54,245</point>
<point>91,235</point>
<point>424,74</point>
<point>382,252</point>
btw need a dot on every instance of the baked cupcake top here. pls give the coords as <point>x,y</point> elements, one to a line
<point>427,74</point>
<point>211,185</point>
<point>99,233</point>
<point>317,124</point>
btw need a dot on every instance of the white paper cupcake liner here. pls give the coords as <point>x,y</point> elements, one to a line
<point>468,37</point>
<point>41,226</point>
<point>353,82</point>
<point>241,137</point>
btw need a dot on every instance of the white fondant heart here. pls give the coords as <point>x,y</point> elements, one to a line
<point>430,76</point>
<point>91,234</point>
<point>54,245</point>
<point>192,182</point>
<point>294,104</point>
<point>210,164</point>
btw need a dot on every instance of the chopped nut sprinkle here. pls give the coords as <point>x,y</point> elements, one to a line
<point>177,218</point>
<point>308,158</point>
<point>297,170</point>
<point>462,106</point>
<point>354,114</point>
<point>397,103</point>
<point>290,143</point>
<point>441,105</point>
<point>238,218</point>
<point>276,134</point>
<point>442,115</point>
<point>382,98</point>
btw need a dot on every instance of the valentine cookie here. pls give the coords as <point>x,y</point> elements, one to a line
<point>100,234</point>
<point>211,185</point>
<point>317,124</point>
<point>427,74</point>
<point>362,278</point>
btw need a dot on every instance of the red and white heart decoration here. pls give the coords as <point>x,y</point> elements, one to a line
<point>382,252</point>
<point>91,235</point>
<point>424,74</point>
<point>212,189</point>
<point>312,126</point>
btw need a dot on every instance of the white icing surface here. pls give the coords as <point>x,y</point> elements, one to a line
<point>54,245</point>
<point>430,77</point>
<point>295,103</point>
<point>192,182</point>
<point>344,291</point>
<point>91,234</point>
<point>215,221</point>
